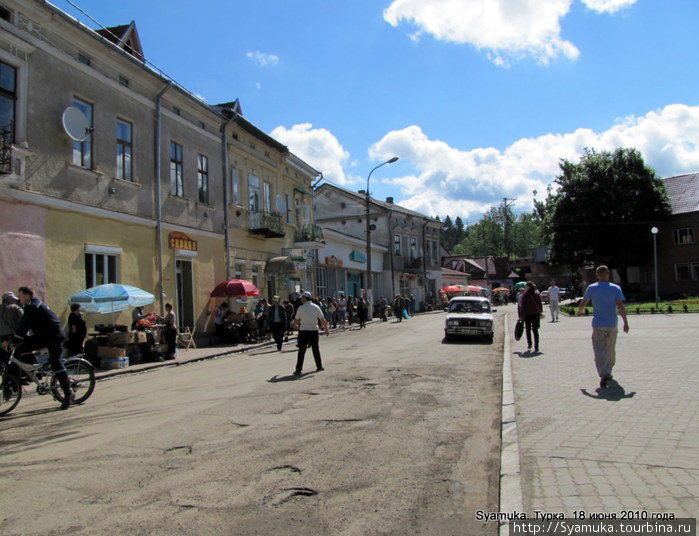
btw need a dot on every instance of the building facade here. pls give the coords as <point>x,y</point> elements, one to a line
<point>404,244</point>
<point>112,172</point>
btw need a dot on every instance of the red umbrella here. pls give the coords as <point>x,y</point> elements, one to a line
<point>235,288</point>
<point>474,288</point>
<point>453,288</point>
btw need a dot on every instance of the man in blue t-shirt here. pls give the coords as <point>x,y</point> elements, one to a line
<point>606,299</point>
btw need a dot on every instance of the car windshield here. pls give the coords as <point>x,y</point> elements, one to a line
<point>469,307</point>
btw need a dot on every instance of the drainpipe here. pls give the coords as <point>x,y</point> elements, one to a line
<point>424,262</point>
<point>226,196</point>
<point>158,204</point>
<point>391,245</point>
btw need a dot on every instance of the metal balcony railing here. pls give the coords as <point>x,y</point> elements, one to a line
<point>267,223</point>
<point>309,233</point>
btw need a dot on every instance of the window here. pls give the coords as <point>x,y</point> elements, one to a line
<point>695,271</point>
<point>683,236</point>
<point>235,187</point>
<point>124,166</point>
<point>176,110</point>
<point>82,150</point>
<point>203,178</point>
<point>238,270</point>
<point>289,210</point>
<point>255,276</point>
<point>8,98</point>
<point>202,125</point>
<point>253,193</point>
<point>82,58</point>
<point>268,196</point>
<point>5,14</point>
<point>682,272</point>
<point>413,247</point>
<point>100,269</point>
<point>396,244</point>
<point>124,81</point>
<point>176,187</point>
<point>435,251</point>
<point>322,281</point>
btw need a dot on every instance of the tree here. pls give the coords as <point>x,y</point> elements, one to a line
<point>603,210</point>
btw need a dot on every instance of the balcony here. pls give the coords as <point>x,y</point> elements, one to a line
<point>411,265</point>
<point>309,235</point>
<point>266,223</point>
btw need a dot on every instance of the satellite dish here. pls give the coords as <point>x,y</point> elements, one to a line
<point>281,204</point>
<point>75,124</point>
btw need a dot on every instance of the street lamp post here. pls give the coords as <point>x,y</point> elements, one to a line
<point>367,284</point>
<point>654,232</point>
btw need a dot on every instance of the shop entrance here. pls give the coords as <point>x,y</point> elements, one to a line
<point>354,284</point>
<point>185,301</point>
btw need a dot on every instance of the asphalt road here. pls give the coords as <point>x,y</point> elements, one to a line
<point>400,435</point>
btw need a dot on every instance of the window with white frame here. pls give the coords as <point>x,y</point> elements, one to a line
<point>203,178</point>
<point>238,269</point>
<point>268,196</point>
<point>176,167</point>
<point>413,247</point>
<point>124,150</point>
<point>683,236</point>
<point>82,150</point>
<point>101,265</point>
<point>396,244</point>
<point>253,193</point>
<point>235,186</point>
<point>289,210</point>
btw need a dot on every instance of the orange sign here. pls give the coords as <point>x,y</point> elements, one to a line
<point>333,261</point>
<point>179,240</point>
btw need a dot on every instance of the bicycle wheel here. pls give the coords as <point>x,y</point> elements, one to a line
<point>10,393</point>
<point>82,380</point>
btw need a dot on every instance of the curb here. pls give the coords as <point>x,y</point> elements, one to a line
<point>510,468</point>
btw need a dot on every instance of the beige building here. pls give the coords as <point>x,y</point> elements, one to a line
<point>112,172</point>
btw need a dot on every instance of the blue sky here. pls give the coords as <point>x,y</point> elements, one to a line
<point>479,99</point>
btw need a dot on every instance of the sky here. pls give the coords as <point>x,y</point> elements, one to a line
<point>479,99</point>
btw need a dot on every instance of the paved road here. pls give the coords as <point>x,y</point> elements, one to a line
<point>398,436</point>
<point>630,447</point>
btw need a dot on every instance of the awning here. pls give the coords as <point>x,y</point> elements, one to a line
<point>280,265</point>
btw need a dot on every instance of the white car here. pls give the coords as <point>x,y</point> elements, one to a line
<point>469,316</point>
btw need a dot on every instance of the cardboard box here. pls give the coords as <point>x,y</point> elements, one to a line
<point>140,337</point>
<point>109,352</point>
<point>121,337</point>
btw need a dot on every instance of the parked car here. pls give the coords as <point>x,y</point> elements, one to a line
<point>469,316</point>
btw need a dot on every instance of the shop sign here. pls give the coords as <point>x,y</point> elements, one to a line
<point>177,240</point>
<point>357,256</point>
<point>333,261</point>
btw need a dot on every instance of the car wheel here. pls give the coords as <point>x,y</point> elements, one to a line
<point>489,338</point>
<point>447,337</point>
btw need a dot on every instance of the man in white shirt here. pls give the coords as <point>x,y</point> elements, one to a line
<point>306,321</point>
<point>554,295</point>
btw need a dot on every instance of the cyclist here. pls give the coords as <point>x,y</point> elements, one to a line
<point>46,332</point>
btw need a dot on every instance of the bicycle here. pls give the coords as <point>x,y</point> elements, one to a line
<point>81,375</point>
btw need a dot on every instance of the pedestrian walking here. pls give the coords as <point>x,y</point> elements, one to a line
<point>554,296</point>
<point>531,311</point>
<point>341,310</point>
<point>362,311</point>
<point>382,309</point>
<point>276,316</point>
<point>397,306</point>
<point>289,308</point>
<point>171,330</point>
<point>607,298</point>
<point>307,319</point>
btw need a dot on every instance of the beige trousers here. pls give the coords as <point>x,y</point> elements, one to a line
<point>604,348</point>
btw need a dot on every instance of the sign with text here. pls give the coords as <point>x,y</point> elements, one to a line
<point>177,240</point>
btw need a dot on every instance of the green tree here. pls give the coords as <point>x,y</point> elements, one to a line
<point>603,209</point>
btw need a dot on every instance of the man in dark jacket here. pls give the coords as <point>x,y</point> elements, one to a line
<point>277,321</point>
<point>46,331</point>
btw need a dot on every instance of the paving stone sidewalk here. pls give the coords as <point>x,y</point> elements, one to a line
<point>632,446</point>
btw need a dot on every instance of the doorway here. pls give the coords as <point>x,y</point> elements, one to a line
<point>185,299</point>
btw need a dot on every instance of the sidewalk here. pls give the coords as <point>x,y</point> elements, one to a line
<point>632,446</point>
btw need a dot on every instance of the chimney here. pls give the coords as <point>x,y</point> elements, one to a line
<point>362,192</point>
<point>389,200</point>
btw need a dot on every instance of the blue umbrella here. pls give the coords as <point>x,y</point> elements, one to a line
<point>111,298</point>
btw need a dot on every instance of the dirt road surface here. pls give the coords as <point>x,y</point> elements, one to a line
<point>400,435</point>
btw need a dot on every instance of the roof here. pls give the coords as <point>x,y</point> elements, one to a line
<point>125,37</point>
<point>388,206</point>
<point>683,191</point>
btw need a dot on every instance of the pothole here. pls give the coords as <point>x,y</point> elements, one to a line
<point>291,468</point>
<point>183,449</point>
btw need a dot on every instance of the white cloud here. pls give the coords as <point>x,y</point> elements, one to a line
<point>264,60</point>
<point>467,182</point>
<point>318,147</point>
<point>506,29</point>
<point>608,6</point>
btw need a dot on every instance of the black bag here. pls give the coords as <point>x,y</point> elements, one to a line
<point>519,329</point>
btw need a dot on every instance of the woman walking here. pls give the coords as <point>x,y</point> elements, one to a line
<point>531,310</point>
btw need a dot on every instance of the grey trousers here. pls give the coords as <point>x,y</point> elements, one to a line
<point>604,348</point>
